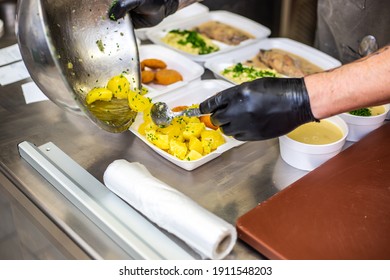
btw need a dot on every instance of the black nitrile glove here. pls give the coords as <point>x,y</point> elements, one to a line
<point>262,109</point>
<point>144,13</point>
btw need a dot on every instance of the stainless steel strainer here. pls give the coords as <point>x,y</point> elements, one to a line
<point>70,47</point>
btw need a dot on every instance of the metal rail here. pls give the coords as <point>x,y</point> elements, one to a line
<point>128,228</point>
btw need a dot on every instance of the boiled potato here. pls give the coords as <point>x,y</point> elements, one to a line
<point>192,119</point>
<point>178,149</point>
<point>138,102</point>
<point>147,126</point>
<point>193,155</point>
<point>166,129</point>
<point>120,86</point>
<point>185,138</point>
<point>213,137</point>
<point>180,122</point>
<point>193,130</point>
<point>176,132</point>
<point>158,139</point>
<point>206,147</point>
<point>196,145</point>
<point>103,94</point>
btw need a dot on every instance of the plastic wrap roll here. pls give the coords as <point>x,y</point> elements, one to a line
<point>171,210</point>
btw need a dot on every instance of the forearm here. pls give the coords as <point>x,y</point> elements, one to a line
<point>362,83</point>
<point>185,3</point>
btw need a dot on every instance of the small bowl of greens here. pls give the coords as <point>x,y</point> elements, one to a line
<point>364,120</point>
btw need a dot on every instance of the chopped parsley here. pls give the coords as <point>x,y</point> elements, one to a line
<point>248,73</point>
<point>363,112</point>
<point>100,45</point>
<point>196,41</point>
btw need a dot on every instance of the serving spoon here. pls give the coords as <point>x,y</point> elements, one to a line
<point>163,116</point>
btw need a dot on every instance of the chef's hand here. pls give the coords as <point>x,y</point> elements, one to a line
<point>262,109</point>
<point>144,13</point>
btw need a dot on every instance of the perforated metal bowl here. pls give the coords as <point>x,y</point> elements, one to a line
<point>70,47</point>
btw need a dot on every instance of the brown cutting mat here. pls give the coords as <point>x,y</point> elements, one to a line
<point>341,210</point>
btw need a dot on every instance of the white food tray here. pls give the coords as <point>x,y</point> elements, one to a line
<point>188,69</point>
<point>219,63</point>
<point>193,93</point>
<point>257,30</point>
<point>195,9</point>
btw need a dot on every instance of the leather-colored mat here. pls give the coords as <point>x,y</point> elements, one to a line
<point>341,210</point>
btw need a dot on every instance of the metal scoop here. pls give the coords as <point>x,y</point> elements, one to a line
<point>163,116</point>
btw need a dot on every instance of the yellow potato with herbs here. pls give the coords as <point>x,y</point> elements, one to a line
<point>138,102</point>
<point>194,144</point>
<point>193,155</point>
<point>178,149</point>
<point>186,138</point>
<point>102,94</point>
<point>213,137</point>
<point>120,86</point>
<point>158,139</point>
<point>193,130</point>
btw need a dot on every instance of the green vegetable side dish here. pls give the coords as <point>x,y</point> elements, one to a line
<point>240,73</point>
<point>363,112</point>
<point>190,41</point>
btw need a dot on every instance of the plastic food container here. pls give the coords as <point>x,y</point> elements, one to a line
<point>189,69</point>
<point>195,9</point>
<point>360,126</point>
<point>308,157</point>
<point>218,63</point>
<point>190,94</point>
<point>257,30</point>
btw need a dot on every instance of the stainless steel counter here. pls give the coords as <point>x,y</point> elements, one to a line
<point>228,186</point>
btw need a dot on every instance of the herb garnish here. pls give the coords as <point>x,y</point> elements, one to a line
<point>193,38</point>
<point>100,45</point>
<point>363,112</point>
<point>249,72</point>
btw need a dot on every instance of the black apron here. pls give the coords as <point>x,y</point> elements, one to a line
<point>341,25</point>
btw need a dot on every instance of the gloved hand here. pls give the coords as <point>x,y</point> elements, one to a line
<point>262,109</point>
<point>144,13</point>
